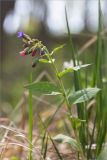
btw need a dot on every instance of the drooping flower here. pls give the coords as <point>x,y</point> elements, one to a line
<point>22,53</point>
<point>33,53</point>
<point>20,35</point>
<point>34,63</point>
<point>32,47</point>
<point>42,52</point>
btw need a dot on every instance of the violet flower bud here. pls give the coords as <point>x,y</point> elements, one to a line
<point>20,35</point>
<point>42,52</point>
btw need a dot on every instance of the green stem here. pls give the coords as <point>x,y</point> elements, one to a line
<point>60,83</point>
<point>30,120</point>
<point>66,100</point>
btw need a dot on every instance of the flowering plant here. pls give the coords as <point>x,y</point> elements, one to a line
<point>40,53</point>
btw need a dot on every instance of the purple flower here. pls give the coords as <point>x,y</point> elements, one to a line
<point>20,35</point>
<point>42,52</point>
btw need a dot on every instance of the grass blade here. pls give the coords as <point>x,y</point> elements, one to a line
<point>77,84</point>
<point>30,120</point>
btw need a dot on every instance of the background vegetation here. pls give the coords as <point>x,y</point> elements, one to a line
<point>38,19</point>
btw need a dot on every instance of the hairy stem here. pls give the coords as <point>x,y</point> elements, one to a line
<point>66,100</point>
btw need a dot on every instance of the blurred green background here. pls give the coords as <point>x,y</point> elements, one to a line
<point>45,20</point>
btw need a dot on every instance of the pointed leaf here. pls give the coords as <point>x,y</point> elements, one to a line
<point>54,93</point>
<point>83,95</point>
<point>57,49</point>
<point>43,88</point>
<point>60,138</point>
<point>45,60</point>
<point>65,71</point>
<point>76,68</point>
<point>71,69</point>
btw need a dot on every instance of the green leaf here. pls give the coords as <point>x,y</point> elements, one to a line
<point>83,95</point>
<point>54,93</point>
<point>57,49</point>
<point>14,158</point>
<point>76,68</point>
<point>71,69</point>
<point>46,61</point>
<point>65,71</point>
<point>43,88</point>
<point>60,138</point>
<point>76,122</point>
<point>103,154</point>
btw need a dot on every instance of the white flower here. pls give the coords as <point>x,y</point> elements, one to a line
<point>70,64</point>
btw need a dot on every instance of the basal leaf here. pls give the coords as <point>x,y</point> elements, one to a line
<point>103,154</point>
<point>60,138</point>
<point>83,95</point>
<point>57,49</point>
<point>43,88</point>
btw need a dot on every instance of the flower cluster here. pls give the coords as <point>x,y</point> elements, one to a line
<point>32,47</point>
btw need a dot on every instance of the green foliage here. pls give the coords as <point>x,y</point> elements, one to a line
<point>57,49</point>
<point>43,88</point>
<point>76,68</point>
<point>64,72</point>
<point>83,95</point>
<point>103,154</point>
<point>71,69</point>
<point>80,125</point>
<point>60,138</point>
<point>76,122</point>
<point>45,60</point>
<point>14,158</point>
